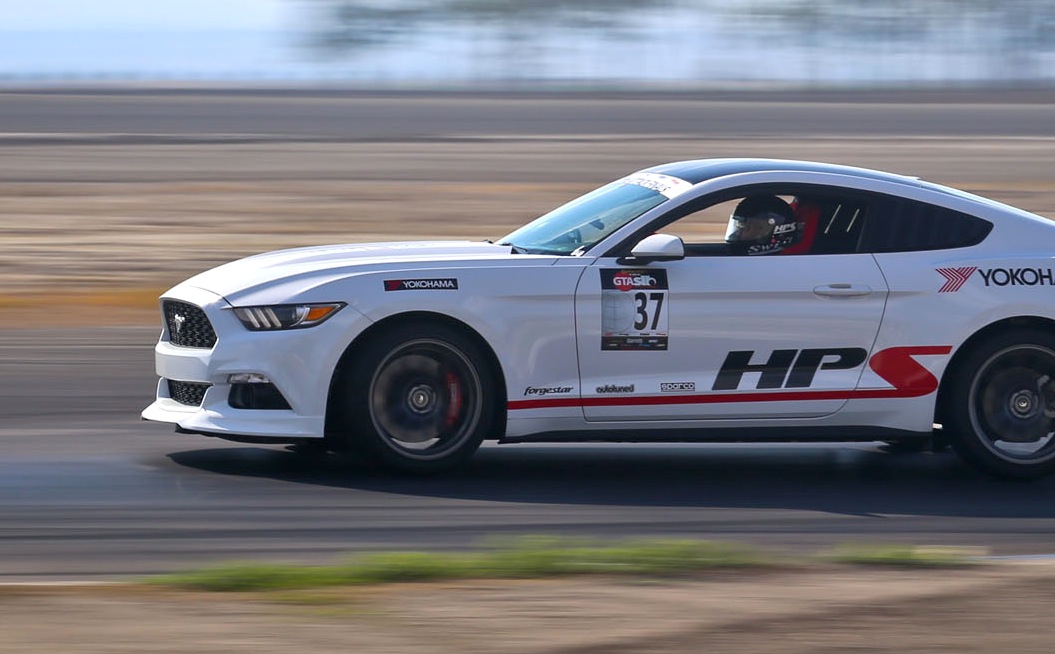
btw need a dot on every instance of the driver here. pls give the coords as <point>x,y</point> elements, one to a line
<point>762,224</point>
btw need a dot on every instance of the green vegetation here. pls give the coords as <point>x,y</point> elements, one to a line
<point>539,556</point>
<point>513,559</point>
<point>902,555</point>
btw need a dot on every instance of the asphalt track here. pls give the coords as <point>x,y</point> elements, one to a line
<point>88,491</point>
<point>337,116</point>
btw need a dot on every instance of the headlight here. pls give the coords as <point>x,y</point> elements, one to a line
<point>285,316</point>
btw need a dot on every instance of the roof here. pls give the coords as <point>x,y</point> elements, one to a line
<point>700,170</point>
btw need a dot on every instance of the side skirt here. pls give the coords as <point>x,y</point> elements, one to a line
<point>723,435</point>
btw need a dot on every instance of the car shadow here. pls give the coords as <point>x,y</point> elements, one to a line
<point>854,480</point>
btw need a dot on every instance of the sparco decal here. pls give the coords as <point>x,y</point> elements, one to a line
<point>445,284</point>
<point>616,388</point>
<point>1017,276</point>
<point>547,390</point>
<point>677,387</point>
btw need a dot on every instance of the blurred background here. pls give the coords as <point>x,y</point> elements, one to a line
<point>678,43</point>
<point>144,141</point>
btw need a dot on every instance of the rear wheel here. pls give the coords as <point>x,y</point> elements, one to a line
<point>418,398</point>
<point>1003,405</point>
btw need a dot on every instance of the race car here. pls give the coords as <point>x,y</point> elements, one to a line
<point>707,300</point>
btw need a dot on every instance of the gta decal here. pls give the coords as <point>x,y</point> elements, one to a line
<point>634,309</point>
<point>445,284</point>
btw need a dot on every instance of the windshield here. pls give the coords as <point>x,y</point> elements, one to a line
<point>586,220</point>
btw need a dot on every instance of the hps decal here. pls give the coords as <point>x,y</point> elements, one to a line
<point>785,377</point>
<point>446,284</point>
<point>634,309</point>
<point>786,368</point>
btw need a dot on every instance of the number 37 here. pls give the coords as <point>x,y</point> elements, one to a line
<point>648,304</point>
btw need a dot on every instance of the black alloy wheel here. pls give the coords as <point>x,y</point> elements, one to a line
<point>1003,405</point>
<point>418,398</point>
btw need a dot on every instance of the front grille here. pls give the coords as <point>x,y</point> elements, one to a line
<point>189,393</point>
<point>188,325</point>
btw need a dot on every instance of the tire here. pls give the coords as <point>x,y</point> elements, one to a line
<point>1002,409</point>
<point>418,398</point>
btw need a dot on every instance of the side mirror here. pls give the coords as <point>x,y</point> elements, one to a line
<point>657,247</point>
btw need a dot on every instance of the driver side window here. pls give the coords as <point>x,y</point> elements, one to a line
<point>814,222</point>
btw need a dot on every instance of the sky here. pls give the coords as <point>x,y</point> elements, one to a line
<point>74,15</point>
<point>56,40</point>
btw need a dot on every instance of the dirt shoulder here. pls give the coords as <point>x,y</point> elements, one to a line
<point>992,609</point>
<point>93,233</point>
<point>988,609</point>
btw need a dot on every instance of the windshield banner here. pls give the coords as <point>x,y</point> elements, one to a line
<point>666,185</point>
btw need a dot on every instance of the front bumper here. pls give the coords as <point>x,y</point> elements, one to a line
<point>299,362</point>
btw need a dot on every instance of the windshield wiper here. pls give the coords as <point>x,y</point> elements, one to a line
<point>516,248</point>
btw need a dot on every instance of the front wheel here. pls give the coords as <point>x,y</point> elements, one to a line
<point>1002,410</point>
<point>418,398</point>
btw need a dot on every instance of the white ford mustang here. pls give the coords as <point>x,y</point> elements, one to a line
<point>720,299</point>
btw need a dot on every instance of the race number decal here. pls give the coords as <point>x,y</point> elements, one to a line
<point>634,309</point>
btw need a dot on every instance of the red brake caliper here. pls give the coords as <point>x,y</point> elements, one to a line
<point>454,395</point>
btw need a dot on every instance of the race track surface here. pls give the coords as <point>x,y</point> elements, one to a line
<point>88,491</point>
<point>337,116</point>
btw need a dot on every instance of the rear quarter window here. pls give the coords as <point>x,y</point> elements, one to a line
<point>908,226</point>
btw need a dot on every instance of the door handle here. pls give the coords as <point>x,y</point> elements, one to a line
<point>843,290</point>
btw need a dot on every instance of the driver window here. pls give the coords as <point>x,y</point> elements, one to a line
<point>768,224</point>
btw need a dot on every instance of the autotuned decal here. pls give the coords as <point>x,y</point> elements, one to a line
<point>444,284</point>
<point>616,388</point>
<point>634,309</point>
<point>897,366</point>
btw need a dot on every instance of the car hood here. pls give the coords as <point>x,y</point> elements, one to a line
<point>327,262</point>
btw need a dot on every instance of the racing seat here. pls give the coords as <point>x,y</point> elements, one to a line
<point>808,213</point>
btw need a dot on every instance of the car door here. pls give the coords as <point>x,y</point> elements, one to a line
<point>726,337</point>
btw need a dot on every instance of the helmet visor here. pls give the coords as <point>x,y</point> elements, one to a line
<point>749,229</point>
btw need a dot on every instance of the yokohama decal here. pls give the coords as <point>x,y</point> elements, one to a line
<point>448,284</point>
<point>955,278</point>
<point>895,365</point>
